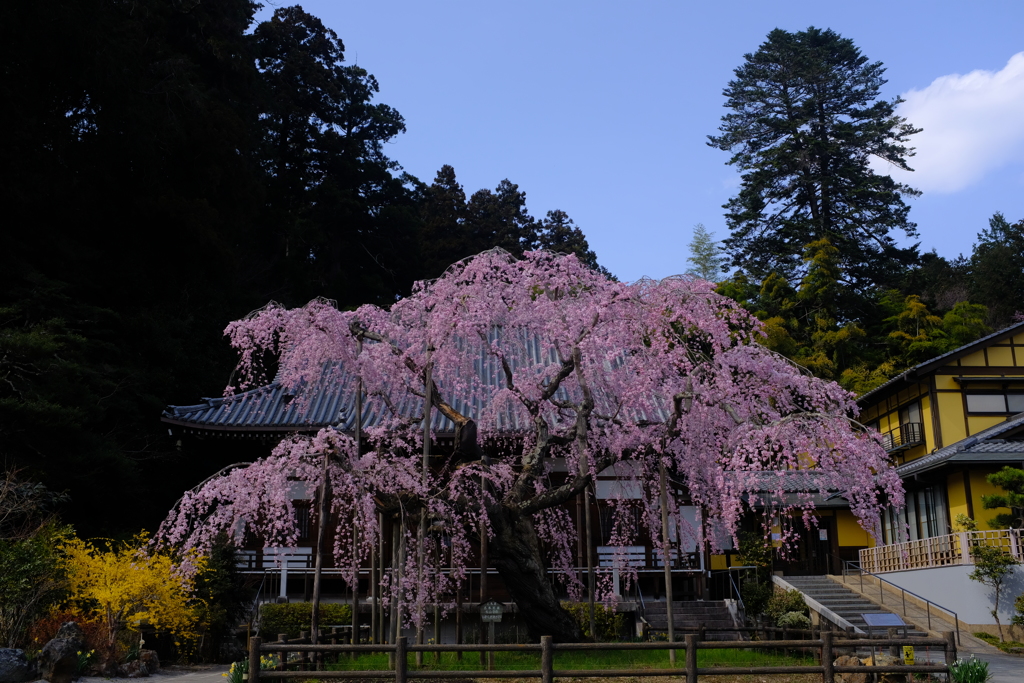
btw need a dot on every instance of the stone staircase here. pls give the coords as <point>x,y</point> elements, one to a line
<point>688,616</point>
<point>844,602</point>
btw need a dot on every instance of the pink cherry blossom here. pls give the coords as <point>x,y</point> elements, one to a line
<point>547,361</point>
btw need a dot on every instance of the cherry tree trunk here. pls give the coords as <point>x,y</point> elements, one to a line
<point>515,553</point>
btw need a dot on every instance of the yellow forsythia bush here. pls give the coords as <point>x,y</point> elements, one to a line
<point>127,584</point>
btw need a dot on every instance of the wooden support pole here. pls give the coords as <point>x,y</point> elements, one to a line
<point>401,661</point>
<point>547,660</point>
<point>397,555</point>
<point>381,632</point>
<point>437,597</point>
<point>355,591</point>
<point>827,658</point>
<point>374,595</point>
<point>950,647</point>
<point>458,620</point>
<point>667,560</point>
<point>691,658</point>
<point>421,531</point>
<point>323,512</point>
<point>591,577</point>
<point>254,659</point>
<point>490,641</point>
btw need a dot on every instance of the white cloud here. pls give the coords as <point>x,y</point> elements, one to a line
<point>973,124</point>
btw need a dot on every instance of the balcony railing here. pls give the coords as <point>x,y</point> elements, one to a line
<point>905,436</point>
<point>939,551</point>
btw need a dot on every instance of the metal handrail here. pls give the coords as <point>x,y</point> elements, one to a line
<point>848,564</point>
<point>739,597</point>
<point>732,581</point>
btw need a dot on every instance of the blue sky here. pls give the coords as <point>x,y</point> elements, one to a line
<point>602,109</point>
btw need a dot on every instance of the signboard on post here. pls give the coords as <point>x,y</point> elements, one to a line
<point>491,610</point>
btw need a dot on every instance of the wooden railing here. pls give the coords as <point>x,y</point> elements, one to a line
<point>826,647</point>
<point>938,551</point>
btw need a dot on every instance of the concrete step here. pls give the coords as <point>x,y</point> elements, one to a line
<point>841,600</point>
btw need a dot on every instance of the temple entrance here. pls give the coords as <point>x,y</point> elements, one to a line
<point>815,551</point>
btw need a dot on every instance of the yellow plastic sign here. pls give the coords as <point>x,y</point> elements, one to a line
<point>908,655</point>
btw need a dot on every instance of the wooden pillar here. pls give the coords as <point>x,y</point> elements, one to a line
<point>323,512</point>
<point>374,594</point>
<point>827,658</point>
<point>691,658</point>
<point>355,591</point>
<point>950,647</point>
<point>667,560</point>
<point>591,577</point>
<point>381,633</point>
<point>254,659</point>
<point>421,532</point>
<point>547,660</point>
<point>483,564</point>
<point>401,661</point>
<point>458,620</point>
<point>437,597</point>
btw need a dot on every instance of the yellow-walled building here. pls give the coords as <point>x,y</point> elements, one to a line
<point>948,423</point>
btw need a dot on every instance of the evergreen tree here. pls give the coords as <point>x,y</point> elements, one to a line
<point>705,258</point>
<point>1011,480</point>
<point>940,282</point>
<point>444,236</point>
<point>557,232</point>
<point>337,222</point>
<point>997,269</point>
<point>805,119</point>
<point>499,219</point>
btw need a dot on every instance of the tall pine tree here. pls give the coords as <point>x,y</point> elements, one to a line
<point>805,120</point>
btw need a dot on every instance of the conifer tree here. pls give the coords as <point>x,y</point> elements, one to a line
<point>706,260</point>
<point>805,119</point>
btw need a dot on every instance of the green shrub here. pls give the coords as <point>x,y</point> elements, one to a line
<point>794,620</point>
<point>1018,606</point>
<point>609,622</point>
<point>782,602</point>
<point>293,617</point>
<point>756,596</point>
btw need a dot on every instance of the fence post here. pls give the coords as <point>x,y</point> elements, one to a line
<point>950,647</point>
<point>401,659</point>
<point>254,659</point>
<point>893,634</point>
<point>303,656</point>
<point>282,662</point>
<point>547,660</point>
<point>827,658</point>
<point>691,658</point>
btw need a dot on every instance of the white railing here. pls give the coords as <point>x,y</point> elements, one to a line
<point>939,551</point>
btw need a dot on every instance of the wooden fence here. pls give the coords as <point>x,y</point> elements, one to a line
<point>827,647</point>
<point>939,551</point>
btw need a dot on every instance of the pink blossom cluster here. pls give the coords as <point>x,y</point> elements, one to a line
<point>552,363</point>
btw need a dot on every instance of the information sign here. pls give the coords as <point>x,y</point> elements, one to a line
<point>491,610</point>
<point>883,620</point>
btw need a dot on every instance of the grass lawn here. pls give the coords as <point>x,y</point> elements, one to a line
<point>993,640</point>
<point>610,659</point>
